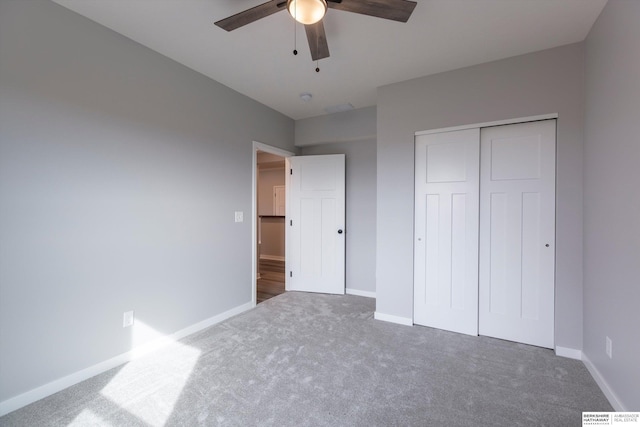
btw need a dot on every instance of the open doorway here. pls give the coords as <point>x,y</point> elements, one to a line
<point>269,221</point>
<point>271,218</point>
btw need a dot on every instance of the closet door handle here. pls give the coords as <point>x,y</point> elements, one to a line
<point>340,231</point>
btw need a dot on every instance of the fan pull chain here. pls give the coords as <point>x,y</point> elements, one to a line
<point>295,31</point>
<point>318,50</point>
<point>295,38</point>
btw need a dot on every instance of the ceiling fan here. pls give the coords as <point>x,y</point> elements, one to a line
<point>311,12</point>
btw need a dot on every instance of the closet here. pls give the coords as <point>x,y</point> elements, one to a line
<point>484,242</point>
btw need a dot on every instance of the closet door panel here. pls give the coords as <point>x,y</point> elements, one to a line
<point>517,232</point>
<point>446,231</point>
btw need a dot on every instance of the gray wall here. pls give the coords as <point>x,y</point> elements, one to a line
<point>360,208</point>
<point>549,81</point>
<point>612,199</point>
<point>355,125</point>
<point>120,171</point>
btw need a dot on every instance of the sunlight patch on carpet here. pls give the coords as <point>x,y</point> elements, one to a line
<point>149,386</point>
<point>88,418</point>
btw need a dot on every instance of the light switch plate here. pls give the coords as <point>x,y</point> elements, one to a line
<point>239,216</point>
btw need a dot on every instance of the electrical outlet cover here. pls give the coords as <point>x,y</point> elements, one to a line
<point>127,319</point>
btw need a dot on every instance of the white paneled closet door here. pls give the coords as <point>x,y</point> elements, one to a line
<point>446,231</point>
<point>517,232</point>
<point>484,248</point>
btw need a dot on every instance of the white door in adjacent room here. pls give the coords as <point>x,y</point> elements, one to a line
<point>446,231</point>
<point>517,232</point>
<point>279,205</point>
<point>315,224</point>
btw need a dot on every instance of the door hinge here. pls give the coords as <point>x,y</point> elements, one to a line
<point>291,274</point>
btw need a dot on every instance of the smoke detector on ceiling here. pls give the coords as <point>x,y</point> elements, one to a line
<point>306,97</point>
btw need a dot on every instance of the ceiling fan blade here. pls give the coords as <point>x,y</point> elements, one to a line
<point>317,41</point>
<point>396,10</point>
<point>251,15</point>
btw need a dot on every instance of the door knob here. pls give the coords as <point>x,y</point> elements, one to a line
<point>547,245</point>
<point>339,231</point>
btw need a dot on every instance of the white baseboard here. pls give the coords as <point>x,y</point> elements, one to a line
<point>604,386</point>
<point>570,353</point>
<point>360,293</point>
<point>55,386</point>
<point>272,257</point>
<point>393,319</point>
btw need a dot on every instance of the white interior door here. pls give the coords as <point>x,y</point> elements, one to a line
<point>446,231</point>
<point>517,232</point>
<point>315,224</point>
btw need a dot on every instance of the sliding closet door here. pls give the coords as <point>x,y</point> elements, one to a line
<point>517,232</point>
<point>446,231</point>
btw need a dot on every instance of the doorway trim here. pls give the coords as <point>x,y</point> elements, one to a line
<point>258,146</point>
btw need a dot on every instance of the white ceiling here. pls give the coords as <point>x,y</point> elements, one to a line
<point>366,52</point>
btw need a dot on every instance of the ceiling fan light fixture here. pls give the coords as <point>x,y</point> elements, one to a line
<point>307,12</point>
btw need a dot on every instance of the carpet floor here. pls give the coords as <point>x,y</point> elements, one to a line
<point>320,360</point>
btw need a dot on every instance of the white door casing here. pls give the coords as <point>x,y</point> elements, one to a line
<point>517,232</point>
<point>446,230</point>
<point>315,224</point>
